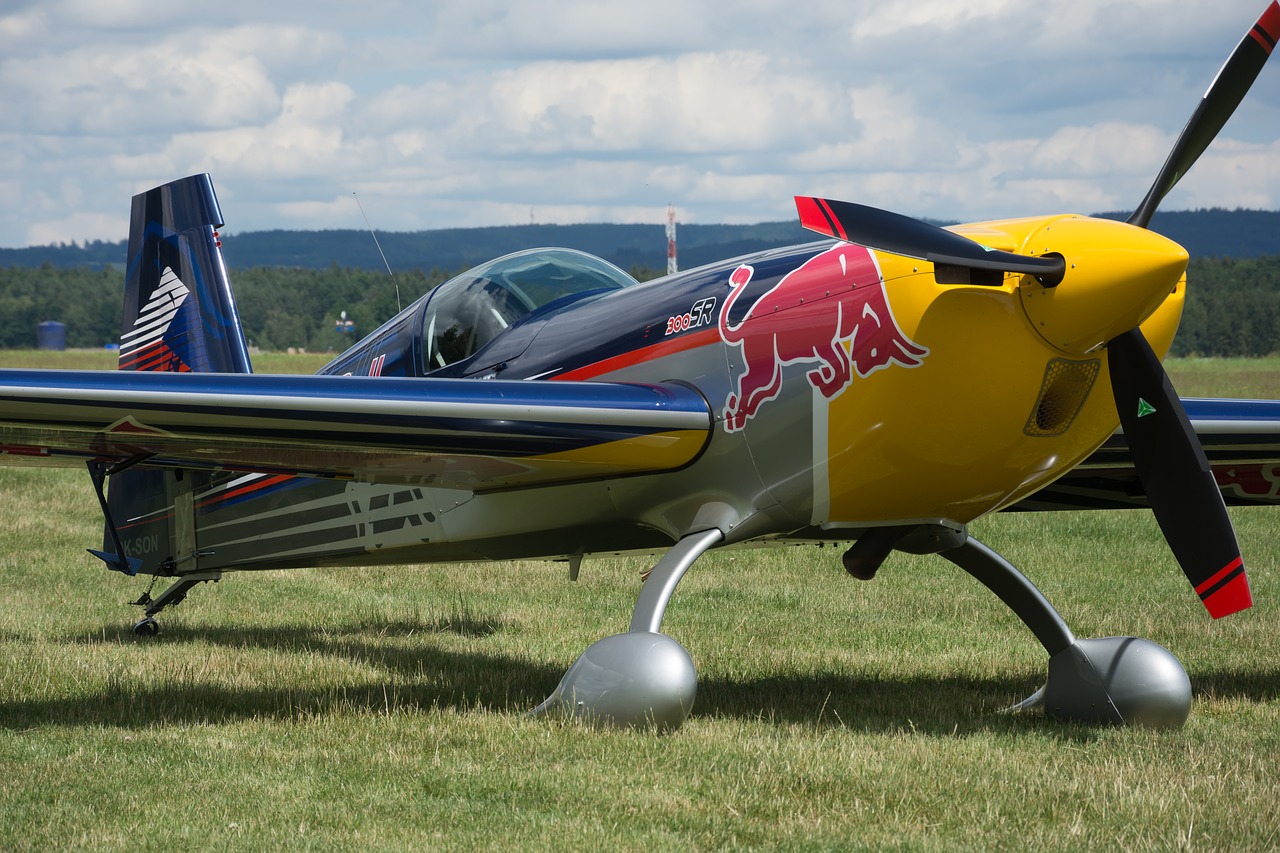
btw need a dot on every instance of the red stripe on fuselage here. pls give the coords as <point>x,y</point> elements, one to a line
<point>251,487</point>
<point>24,450</point>
<point>681,343</point>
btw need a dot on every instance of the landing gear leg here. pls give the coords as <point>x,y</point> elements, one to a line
<point>642,677</point>
<point>1108,680</point>
<point>173,594</point>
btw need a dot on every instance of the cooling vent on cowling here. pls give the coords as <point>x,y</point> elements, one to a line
<point>1062,394</point>
<point>954,274</point>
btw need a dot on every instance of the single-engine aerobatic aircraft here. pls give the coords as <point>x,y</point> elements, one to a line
<point>882,389</point>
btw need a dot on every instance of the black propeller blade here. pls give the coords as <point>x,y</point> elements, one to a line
<point>902,235</point>
<point>1176,477</point>
<point>1166,453</point>
<point>1228,89</point>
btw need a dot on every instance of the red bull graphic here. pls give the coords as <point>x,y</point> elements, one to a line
<point>1250,482</point>
<point>831,311</point>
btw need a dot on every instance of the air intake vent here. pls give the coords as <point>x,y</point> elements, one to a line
<point>953,274</point>
<point>1066,386</point>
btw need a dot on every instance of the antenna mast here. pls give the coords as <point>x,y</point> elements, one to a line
<point>379,245</point>
<point>672,266</point>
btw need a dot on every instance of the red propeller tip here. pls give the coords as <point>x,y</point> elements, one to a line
<point>1267,31</point>
<point>1227,591</point>
<point>816,215</point>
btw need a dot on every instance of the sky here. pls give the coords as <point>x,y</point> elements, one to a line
<point>437,114</point>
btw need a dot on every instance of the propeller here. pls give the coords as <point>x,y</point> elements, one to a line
<point>1167,455</point>
<point>911,238</point>
<point>1166,452</point>
<point>1217,105</point>
<point>1176,476</point>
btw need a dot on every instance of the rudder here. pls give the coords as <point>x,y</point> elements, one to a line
<point>179,312</point>
<point>179,316</point>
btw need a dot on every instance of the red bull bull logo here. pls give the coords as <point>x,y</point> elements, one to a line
<point>831,312</point>
<point>1250,482</point>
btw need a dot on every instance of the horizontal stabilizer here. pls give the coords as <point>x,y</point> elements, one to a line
<point>129,565</point>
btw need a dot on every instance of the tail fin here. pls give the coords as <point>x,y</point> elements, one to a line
<point>179,313</point>
<point>179,316</point>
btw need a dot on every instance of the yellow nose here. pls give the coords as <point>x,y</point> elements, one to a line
<point>1116,276</point>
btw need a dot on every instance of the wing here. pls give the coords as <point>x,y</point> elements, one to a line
<point>1241,438</point>
<point>451,433</point>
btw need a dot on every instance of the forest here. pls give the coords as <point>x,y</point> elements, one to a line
<point>1233,305</point>
<point>1205,233</point>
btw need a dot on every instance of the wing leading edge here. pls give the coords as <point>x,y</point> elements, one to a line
<point>465,434</point>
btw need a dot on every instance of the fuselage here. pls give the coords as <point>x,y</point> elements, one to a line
<point>849,388</point>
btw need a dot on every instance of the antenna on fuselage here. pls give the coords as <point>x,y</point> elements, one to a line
<point>379,245</point>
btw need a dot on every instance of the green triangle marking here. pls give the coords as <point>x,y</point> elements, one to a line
<point>1145,408</point>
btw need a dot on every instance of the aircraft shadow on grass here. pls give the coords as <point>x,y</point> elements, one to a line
<point>422,678</point>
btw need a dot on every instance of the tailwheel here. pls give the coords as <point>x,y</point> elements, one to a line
<point>147,627</point>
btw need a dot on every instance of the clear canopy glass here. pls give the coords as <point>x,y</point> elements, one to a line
<point>468,311</point>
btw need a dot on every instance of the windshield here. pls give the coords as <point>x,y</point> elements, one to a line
<point>468,311</point>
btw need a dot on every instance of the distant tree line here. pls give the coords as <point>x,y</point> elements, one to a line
<point>454,248</point>
<point>280,307</point>
<point>1233,306</point>
<point>1204,233</point>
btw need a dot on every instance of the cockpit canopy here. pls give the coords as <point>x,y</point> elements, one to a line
<point>458,318</point>
<point>468,311</point>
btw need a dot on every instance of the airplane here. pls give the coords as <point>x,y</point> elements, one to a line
<point>881,388</point>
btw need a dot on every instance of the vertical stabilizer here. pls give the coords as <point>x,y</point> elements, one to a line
<point>179,312</point>
<point>179,316</point>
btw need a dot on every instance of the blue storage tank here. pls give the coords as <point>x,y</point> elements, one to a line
<point>51,335</point>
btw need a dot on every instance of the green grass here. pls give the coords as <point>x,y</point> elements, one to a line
<point>1257,378</point>
<point>384,708</point>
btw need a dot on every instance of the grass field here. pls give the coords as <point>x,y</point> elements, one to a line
<point>372,709</point>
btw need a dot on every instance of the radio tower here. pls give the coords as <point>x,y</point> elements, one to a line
<point>671,239</point>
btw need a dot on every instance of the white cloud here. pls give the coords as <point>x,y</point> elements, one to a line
<point>1102,150</point>
<point>118,14</point>
<point>78,228</point>
<point>1233,174</point>
<point>306,137</point>
<point>23,27</point>
<point>926,16</point>
<point>704,102</point>
<point>450,112</point>
<point>167,86</point>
